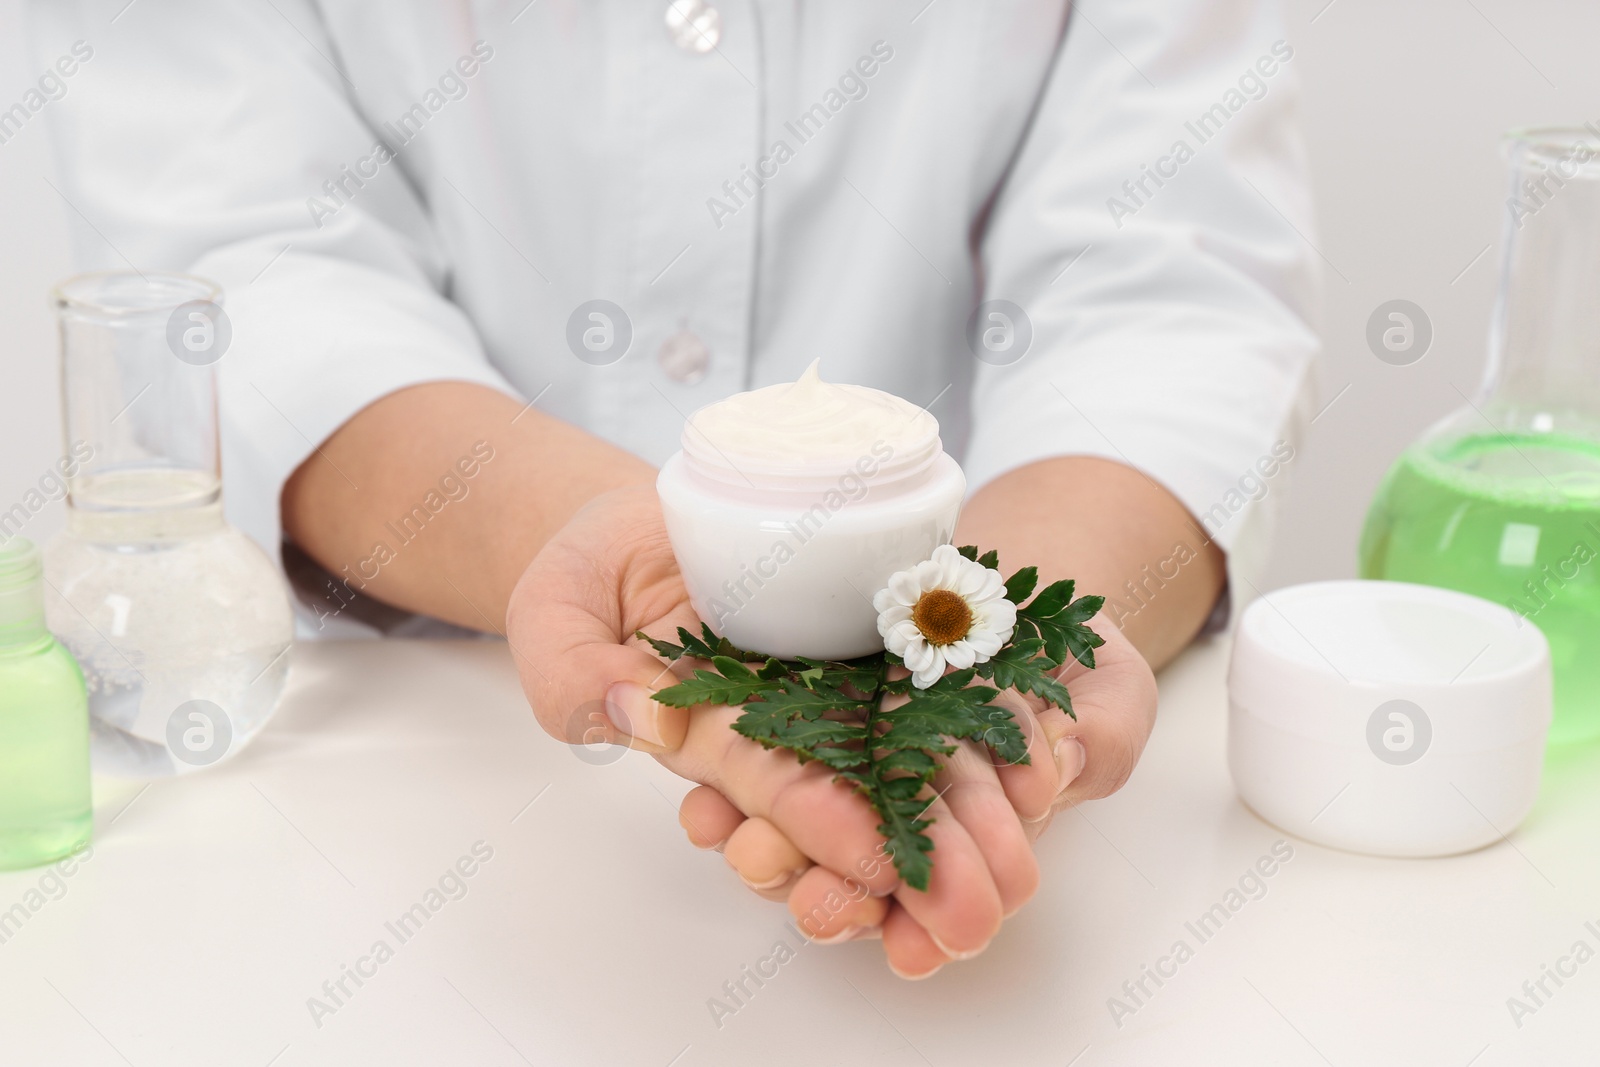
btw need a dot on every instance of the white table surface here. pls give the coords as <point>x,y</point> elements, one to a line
<point>215,905</point>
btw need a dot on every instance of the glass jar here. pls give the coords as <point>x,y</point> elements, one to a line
<point>182,625</point>
<point>1502,498</point>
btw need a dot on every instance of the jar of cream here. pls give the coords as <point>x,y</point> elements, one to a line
<point>1388,718</point>
<point>789,507</point>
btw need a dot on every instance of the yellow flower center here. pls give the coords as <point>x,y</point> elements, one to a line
<point>943,616</point>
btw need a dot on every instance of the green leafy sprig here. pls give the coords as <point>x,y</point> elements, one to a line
<point>834,711</point>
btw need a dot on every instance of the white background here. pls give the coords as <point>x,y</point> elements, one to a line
<point>1405,104</point>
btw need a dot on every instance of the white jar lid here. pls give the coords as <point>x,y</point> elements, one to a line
<point>1388,718</point>
<point>1316,660</point>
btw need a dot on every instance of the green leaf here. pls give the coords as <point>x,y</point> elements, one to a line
<point>1062,623</point>
<point>918,734</point>
<point>1051,599</point>
<point>665,649</point>
<point>705,645</point>
<point>731,668</point>
<point>900,804</point>
<point>1019,666</point>
<point>1002,734</point>
<point>730,683</point>
<point>910,760</point>
<point>837,757</point>
<point>860,674</point>
<point>767,719</point>
<point>968,552</point>
<point>812,733</point>
<point>702,647</point>
<point>902,831</point>
<point>699,647</point>
<point>951,706</point>
<point>1082,641</point>
<point>990,560</point>
<point>954,707</point>
<point>899,687</point>
<point>1020,584</point>
<point>835,743</point>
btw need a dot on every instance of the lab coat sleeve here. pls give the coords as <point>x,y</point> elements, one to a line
<point>1156,232</point>
<point>195,139</point>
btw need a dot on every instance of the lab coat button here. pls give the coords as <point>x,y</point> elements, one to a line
<point>694,25</point>
<point>684,357</point>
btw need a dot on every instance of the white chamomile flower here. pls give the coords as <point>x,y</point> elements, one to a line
<point>945,611</point>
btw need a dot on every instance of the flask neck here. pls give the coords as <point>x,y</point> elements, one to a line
<point>1545,341</point>
<point>139,381</point>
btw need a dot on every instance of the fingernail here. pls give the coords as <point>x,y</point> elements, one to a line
<point>693,834</point>
<point>953,954</point>
<point>775,883</point>
<point>1070,758</point>
<point>849,933</point>
<point>634,713</point>
<point>914,977</point>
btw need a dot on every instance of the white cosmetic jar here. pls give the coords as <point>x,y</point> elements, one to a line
<point>1388,718</point>
<point>784,557</point>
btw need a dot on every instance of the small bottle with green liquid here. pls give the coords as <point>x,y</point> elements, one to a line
<point>1502,499</point>
<point>45,809</point>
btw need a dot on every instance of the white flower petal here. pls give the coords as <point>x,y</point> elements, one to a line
<point>894,640</point>
<point>945,554</point>
<point>921,656</point>
<point>892,614</point>
<point>904,587</point>
<point>906,632</point>
<point>883,600</point>
<point>959,655</point>
<point>1000,615</point>
<point>960,574</point>
<point>971,580</point>
<point>985,644</point>
<point>929,574</point>
<point>932,673</point>
<point>994,587</point>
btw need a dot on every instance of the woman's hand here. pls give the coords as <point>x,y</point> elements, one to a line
<point>1005,806</point>
<point>609,572</point>
<point>604,576</point>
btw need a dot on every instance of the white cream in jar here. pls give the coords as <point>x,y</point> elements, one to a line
<point>788,507</point>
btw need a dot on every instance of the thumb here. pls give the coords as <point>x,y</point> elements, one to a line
<point>587,682</point>
<point>608,691</point>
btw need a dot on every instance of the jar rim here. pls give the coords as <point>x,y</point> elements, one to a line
<point>162,290</point>
<point>706,460</point>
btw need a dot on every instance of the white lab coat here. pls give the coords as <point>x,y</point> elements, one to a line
<point>1127,173</point>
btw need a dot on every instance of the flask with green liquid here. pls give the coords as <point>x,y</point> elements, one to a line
<point>1502,499</point>
<point>45,811</point>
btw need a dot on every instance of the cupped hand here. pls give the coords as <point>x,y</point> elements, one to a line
<point>610,572</point>
<point>1006,806</point>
